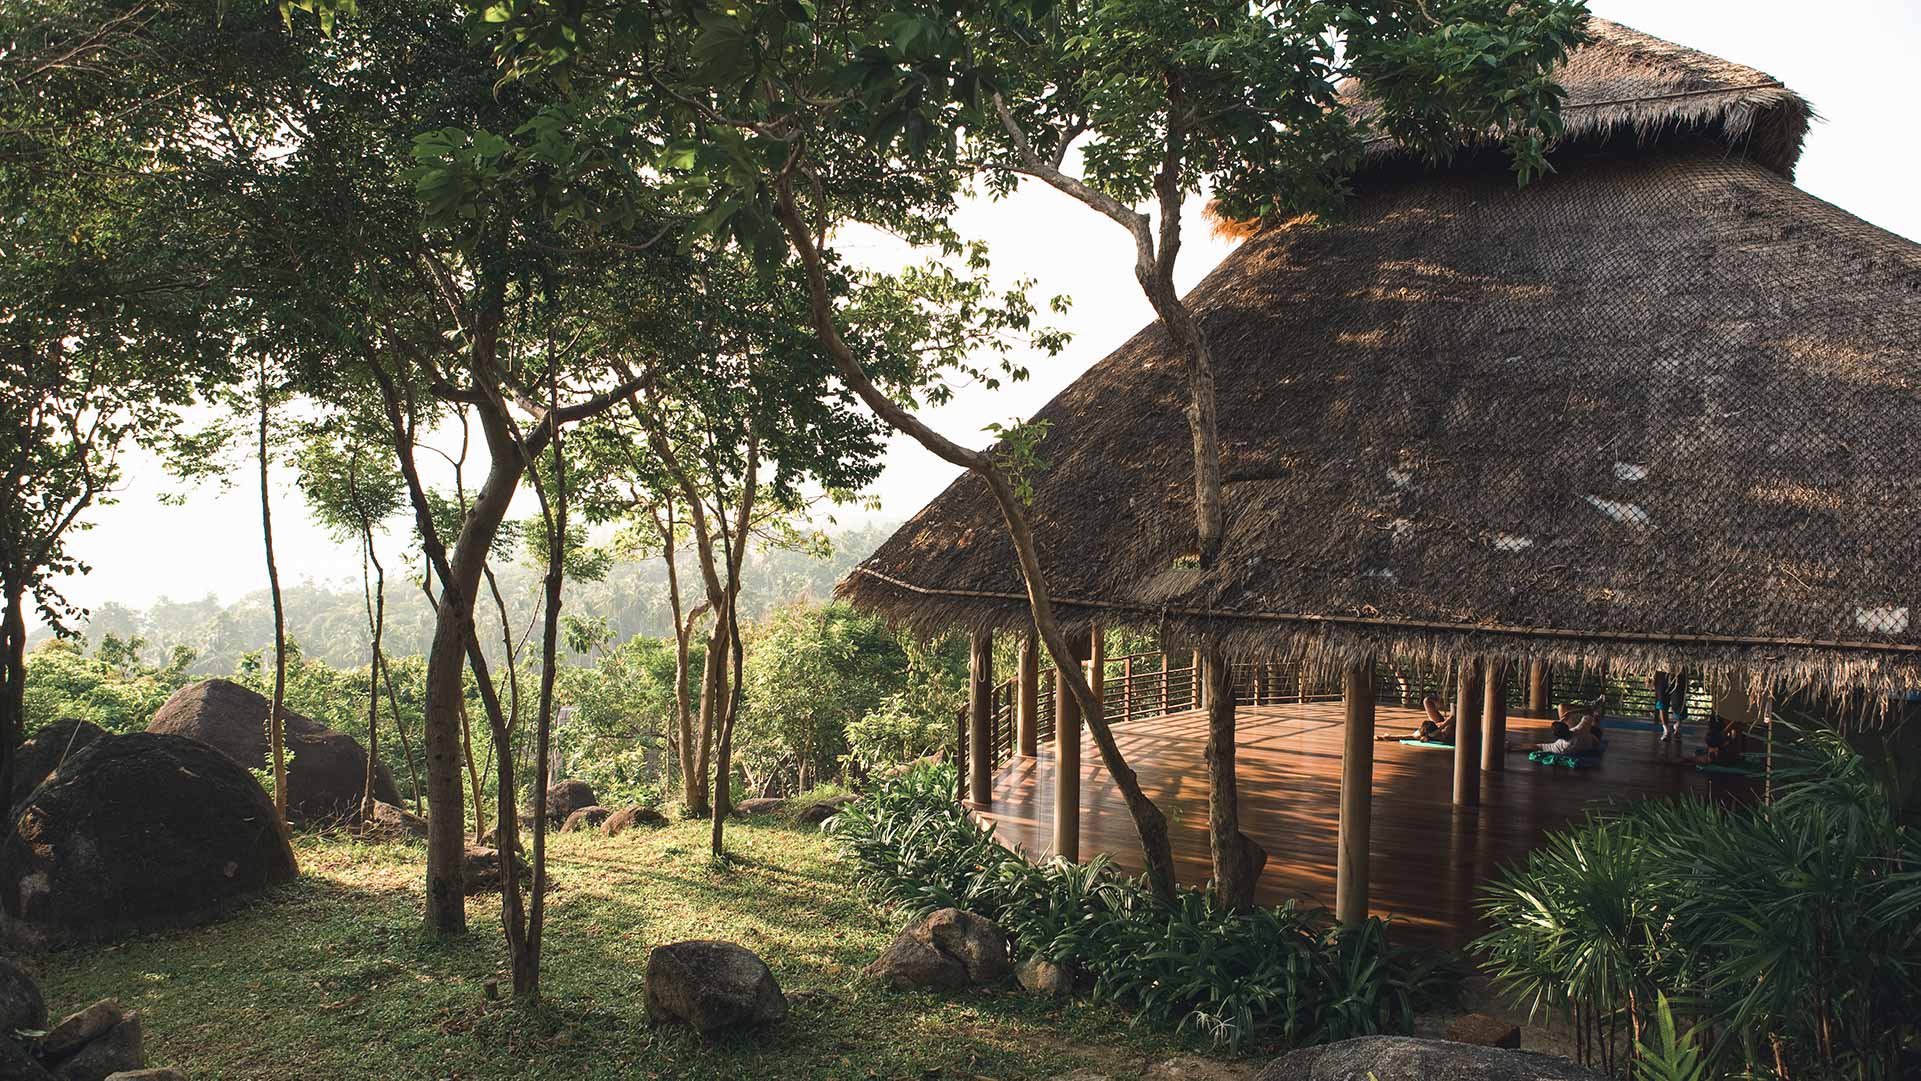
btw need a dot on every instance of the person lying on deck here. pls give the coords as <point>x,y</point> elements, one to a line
<point>1582,737</point>
<point>1727,745</point>
<point>1438,727</point>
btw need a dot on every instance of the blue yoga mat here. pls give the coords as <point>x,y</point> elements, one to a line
<point>1427,743</point>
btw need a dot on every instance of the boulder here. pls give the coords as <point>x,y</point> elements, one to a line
<point>1389,1057</point>
<point>138,830</point>
<point>21,1004</point>
<point>948,948</point>
<point>1043,977</point>
<point>566,797</point>
<point>76,1030</point>
<point>480,870</point>
<point>820,811</point>
<point>328,772</point>
<point>1485,1031</point>
<point>114,1051</point>
<point>491,839</point>
<point>17,1065</point>
<point>759,805</point>
<point>630,817</point>
<point>712,986</point>
<point>43,753</point>
<point>391,823</point>
<point>587,818</point>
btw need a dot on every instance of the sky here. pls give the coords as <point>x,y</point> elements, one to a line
<point>1854,64</point>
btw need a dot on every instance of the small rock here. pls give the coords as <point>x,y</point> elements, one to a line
<point>1043,977</point>
<point>481,869</point>
<point>115,1051</point>
<point>760,805</point>
<point>1393,1057</point>
<point>815,813</point>
<point>391,823</point>
<point>622,820</point>
<point>154,1073</point>
<point>587,818</point>
<point>21,1004</point>
<point>712,986</point>
<point>566,797</point>
<point>76,1029</point>
<point>1484,1031</point>
<point>948,948</point>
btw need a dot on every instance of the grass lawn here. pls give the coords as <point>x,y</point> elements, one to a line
<point>331,977</point>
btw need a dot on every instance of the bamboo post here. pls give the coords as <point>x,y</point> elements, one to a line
<point>1097,665</point>
<point>980,721</point>
<point>1357,796</point>
<point>1260,681</point>
<point>1199,697</point>
<point>1539,687</point>
<point>1027,694</point>
<point>1127,688</point>
<point>1067,770</point>
<point>1167,679</point>
<point>1494,719</point>
<point>1467,735</point>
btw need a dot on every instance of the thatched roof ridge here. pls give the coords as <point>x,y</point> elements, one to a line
<point>1625,82</point>
<point>1657,409</point>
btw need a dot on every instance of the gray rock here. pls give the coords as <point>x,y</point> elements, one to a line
<point>77,1029</point>
<point>43,754</point>
<point>712,987</point>
<point>17,1065</point>
<point>21,1004</point>
<point>632,817</point>
<point>760,805</point>
<point>587,818</point>
<point>152,1073</point>
<point>1403,1058</point>
<point>115,1051</point>
<point>1044,977</point>
<point>480,870</point>
<point>566,797</point>
<point>948,948</point>
<point>391,823</point>
<point>815,813</point>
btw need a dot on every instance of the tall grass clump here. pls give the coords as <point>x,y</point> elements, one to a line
<point>1286,974</point>
<point>1786,935</point>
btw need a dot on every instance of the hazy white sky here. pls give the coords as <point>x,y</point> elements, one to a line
<point>1853,63</point>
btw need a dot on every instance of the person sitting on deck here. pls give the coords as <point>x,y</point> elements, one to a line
<point>1727,744</point>
<point>1585,715</point>
<point>1437,727</point>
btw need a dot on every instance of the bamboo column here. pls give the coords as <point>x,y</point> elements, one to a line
<point>1494,719</point>
<point>1357,795</point>
<point>1167,679</point>
<point>980,721</point>
<point>1199,700</point>
<point>1067,768</point>
<point>1027,691</point>
<point>1127,687</point>
<point>1540,687</point>
<point>1467,735</point>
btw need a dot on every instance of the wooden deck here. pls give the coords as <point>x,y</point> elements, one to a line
<point>1428,860</point>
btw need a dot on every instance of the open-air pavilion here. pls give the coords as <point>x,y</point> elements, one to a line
<point>1657,411</point>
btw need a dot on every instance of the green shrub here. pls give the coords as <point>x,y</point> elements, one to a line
<point>1786,934</point>
<point>1286,974</point>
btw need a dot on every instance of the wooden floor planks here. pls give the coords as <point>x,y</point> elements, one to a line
<point>1428,860</point>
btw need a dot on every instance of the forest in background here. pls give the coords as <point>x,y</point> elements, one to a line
<point>329,620</point>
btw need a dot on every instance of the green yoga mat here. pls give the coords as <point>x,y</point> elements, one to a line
<point>1735,771</point>
<point>1427,743</point>
<point>1565,761</point>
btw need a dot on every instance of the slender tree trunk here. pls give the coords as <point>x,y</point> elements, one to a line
<point>276,723</point>
<point>400,726</point>
<point>1237,858</point>
<point>373,706</point>
<point>1149,821</point>
<point>701,800</point>
<point>683,629</point>
<point>13,689</point>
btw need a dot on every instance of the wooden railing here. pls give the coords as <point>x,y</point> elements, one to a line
<point>1144,685</point>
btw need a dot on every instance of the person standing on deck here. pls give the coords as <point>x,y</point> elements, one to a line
<point>1663,686</point>
<point>1678,702</point>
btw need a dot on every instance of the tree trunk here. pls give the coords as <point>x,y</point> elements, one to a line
<point>276,724</point>
<point>1237,858</point>
<point>1149,822</point>
<point>13,688</point>
<point>702,791</point>
<point>373,706</point>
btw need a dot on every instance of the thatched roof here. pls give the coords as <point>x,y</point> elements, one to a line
<point>1626,83</point>
<point>1662,407</point>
